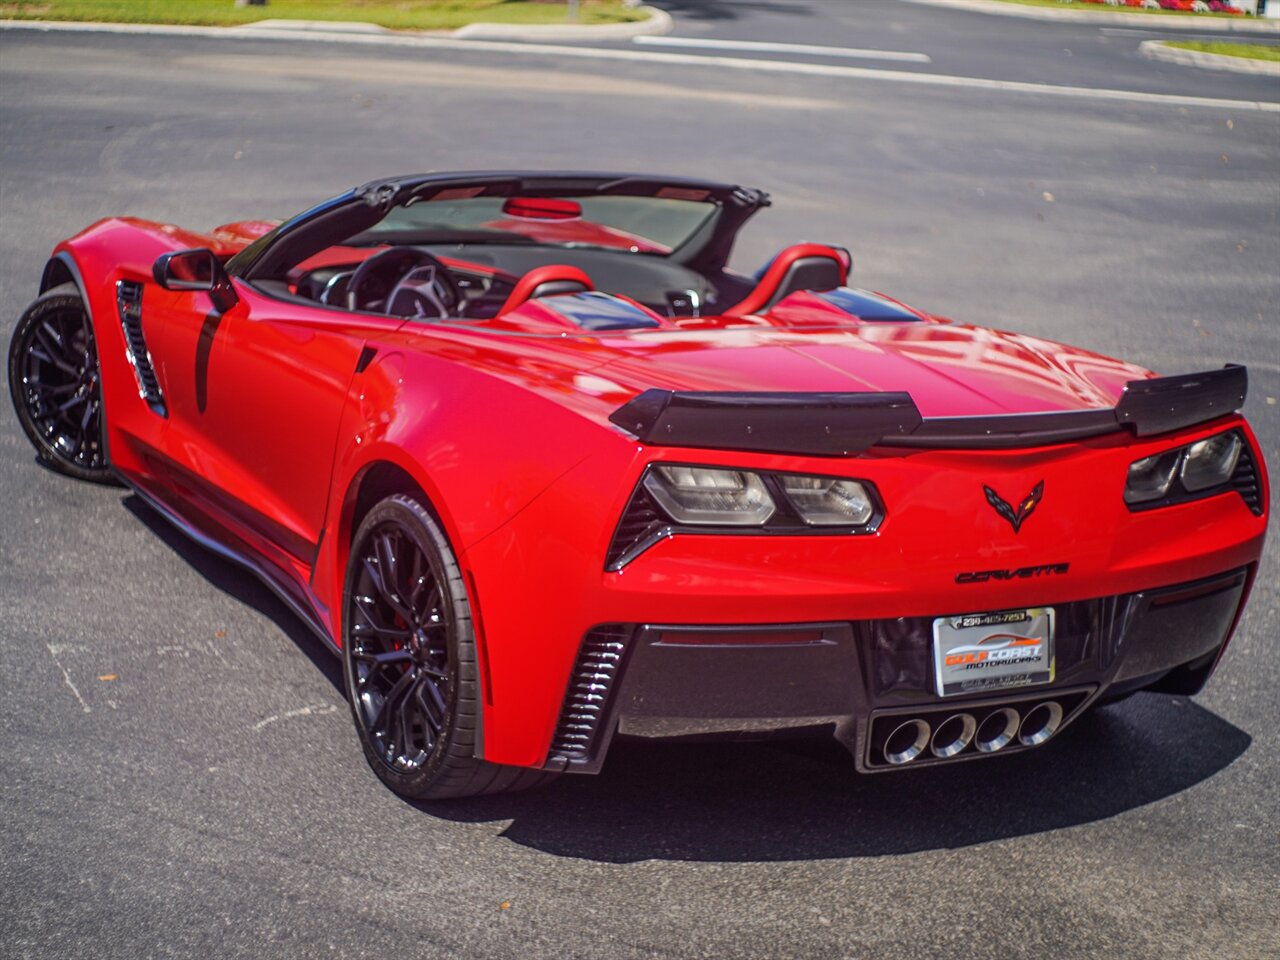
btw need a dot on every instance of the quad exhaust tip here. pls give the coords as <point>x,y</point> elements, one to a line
<point>907,741</point>
<point>1040,723</point>
<point>997,730</point>
<point>953,735</point>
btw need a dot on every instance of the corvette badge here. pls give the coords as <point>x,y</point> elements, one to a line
<point>1024,509</point>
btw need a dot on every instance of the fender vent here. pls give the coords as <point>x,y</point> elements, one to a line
<point>1245,479</point>
<point>584,715</point>
<point>129,303</point>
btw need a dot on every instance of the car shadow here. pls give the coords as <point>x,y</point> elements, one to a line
<point>804,801</point>
<point>244,586</point>
<point>721,10</point>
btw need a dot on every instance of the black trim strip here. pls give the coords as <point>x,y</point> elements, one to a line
<point>366,357</point>
<point>267,527</point>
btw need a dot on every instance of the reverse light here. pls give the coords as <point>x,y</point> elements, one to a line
<point>702,495</point>
<point>1210,463</point>
<point>827,501</point>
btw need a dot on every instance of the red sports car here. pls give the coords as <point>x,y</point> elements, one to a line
<point>543,472</point>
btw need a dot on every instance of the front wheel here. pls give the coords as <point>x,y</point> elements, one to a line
<point>409,658</point>
<point>55,384</point>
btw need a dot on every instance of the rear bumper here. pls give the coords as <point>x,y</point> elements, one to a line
<point>860,679</point>
<point>543,586</point>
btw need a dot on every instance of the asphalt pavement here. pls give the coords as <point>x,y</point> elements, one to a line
<point>178,774</point>
<point>961,43</point>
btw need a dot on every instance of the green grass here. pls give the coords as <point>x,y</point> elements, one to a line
<point>1077,5</point>
<point>395,14</point>
<point>1250,51</point>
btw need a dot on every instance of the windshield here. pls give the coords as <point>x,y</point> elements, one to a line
<point>652,225</point>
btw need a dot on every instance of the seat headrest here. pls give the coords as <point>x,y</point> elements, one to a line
<point>804,266</point>
<point>547,281</point>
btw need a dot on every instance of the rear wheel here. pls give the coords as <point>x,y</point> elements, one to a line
<point>410,660</point>
<point>55,384</point>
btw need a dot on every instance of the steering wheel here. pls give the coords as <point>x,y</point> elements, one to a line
<point>405,282</point>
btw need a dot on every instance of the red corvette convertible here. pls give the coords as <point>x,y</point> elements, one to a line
<point>543,472</point>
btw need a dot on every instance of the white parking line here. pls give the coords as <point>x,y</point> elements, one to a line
<point>760,46</point>
<point>66,678</point>
<point>566,51</point>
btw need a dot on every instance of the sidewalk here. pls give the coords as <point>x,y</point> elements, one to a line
<point>1160,50</point>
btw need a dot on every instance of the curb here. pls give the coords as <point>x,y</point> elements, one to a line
<point>657,21</point>
<point>320,26</point>
<point>1160,50</point>
<point>1150,21</point>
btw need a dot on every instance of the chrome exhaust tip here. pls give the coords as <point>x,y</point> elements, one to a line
<point>997,730</point>
<point>953,735</point>
<point>907,741</point>
<point>1040,723</point>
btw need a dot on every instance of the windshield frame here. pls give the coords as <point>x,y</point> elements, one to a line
<point>349,215</point>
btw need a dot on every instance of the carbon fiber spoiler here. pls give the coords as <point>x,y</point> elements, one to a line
<point>838,424</point>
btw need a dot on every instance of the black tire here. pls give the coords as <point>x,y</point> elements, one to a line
<point>55,385</point>
<point>409,660</point>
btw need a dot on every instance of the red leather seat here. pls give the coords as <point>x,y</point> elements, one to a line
<point>547,281</point>
<point>805,266</point>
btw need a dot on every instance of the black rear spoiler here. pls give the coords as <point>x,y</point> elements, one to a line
<point>839,424</point>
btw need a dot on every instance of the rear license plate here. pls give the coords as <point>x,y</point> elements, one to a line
<point>982,652</point>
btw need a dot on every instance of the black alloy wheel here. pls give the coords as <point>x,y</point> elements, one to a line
<point>55,384</point>
<point>410,660</point>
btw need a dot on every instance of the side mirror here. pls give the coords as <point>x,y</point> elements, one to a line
<point>196,270</point>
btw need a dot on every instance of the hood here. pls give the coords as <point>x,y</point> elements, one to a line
<point>949,370</point>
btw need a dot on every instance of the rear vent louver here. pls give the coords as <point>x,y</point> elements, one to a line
<point>640,524</point>
<point>129,303</point>
<point>1245,479</point>
<point>586,702</point>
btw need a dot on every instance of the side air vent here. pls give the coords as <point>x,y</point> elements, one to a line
<point>129,303</point>
<point>1245,479</point>
<point>640,526</point>
<point>586,703</point>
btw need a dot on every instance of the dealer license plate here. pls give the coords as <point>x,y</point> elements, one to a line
<point>983,652</point>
